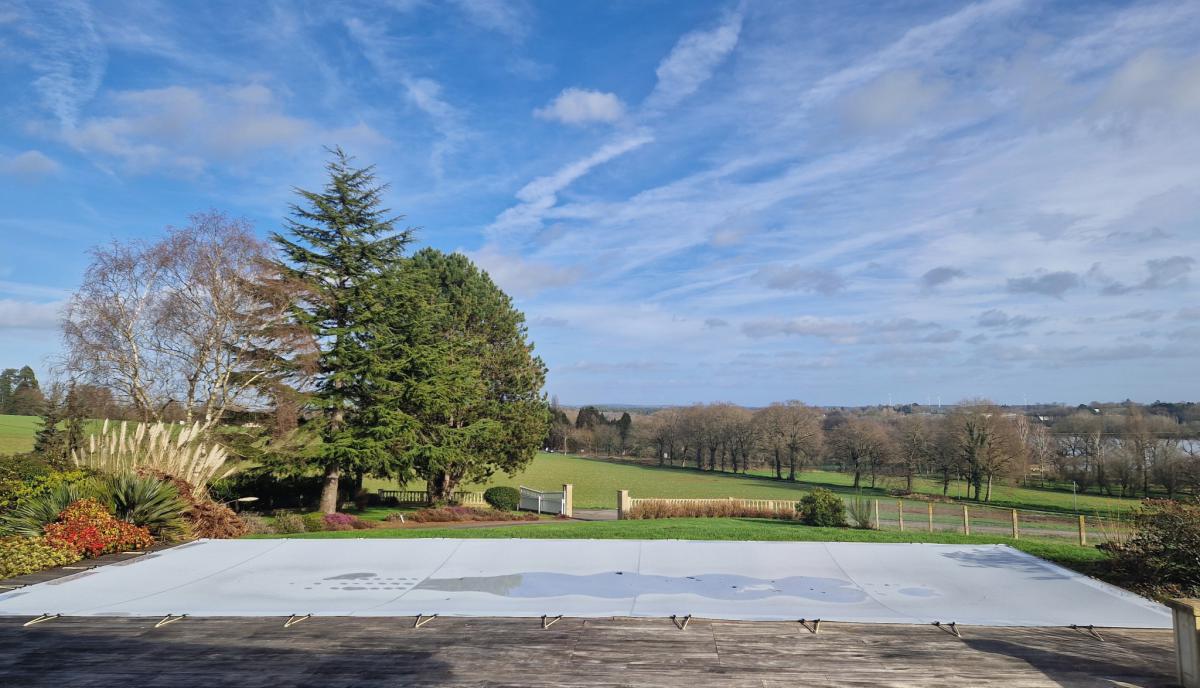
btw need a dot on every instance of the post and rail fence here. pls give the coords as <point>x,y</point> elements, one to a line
<point>939,517</point>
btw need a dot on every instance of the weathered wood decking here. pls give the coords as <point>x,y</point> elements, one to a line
<point>333,652</point>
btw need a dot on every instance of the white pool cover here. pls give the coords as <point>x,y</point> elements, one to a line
<point>989,585</point>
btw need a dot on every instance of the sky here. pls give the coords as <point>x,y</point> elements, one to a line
<point>842,203</point>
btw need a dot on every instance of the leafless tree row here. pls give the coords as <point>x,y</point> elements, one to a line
<point>977,442</point>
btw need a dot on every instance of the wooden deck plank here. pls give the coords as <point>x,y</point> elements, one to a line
<point>331,652</point>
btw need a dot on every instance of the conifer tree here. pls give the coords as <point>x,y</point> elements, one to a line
<point>459,394</point>
<point>49,442</point>
<point>74,418</point>
<point>338,241</point>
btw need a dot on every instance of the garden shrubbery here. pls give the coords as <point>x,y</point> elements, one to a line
<point>20,555</point>
<point>87,528</point>
<point>1163,555</point>
<point>447,514</point>
<point>345,522</point>
<point>822,508</point>
<point>503,498</point>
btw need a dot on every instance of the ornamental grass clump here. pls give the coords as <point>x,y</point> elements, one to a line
<point>154,446</point>
<point>87,528</point>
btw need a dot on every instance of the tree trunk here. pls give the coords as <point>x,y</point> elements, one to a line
<point>441,487</point>
<point>988,497</point>
<point>792,465</point>
<point>778,466</point>
<point>329,490</point>
<point>857,477</point>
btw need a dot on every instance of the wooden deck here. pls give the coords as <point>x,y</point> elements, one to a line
<point>333,652</point>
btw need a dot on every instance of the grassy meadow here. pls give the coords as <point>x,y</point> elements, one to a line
<point>596,483</point>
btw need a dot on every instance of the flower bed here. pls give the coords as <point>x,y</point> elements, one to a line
<point>448,514</point>
<point>88,529</point>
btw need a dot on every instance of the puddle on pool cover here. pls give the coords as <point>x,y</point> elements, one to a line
<point>620,584</point>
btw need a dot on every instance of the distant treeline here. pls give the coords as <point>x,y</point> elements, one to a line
<point>1123,449</point>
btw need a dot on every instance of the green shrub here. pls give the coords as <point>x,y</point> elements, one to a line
<point>273,491</point>
<point>24,476</point>
<point>314,522</point>
<point>822,508</point>
<point>289,523</point>
<point>30,517</point>
<point>503,498</point>
<point>145,501</point>
<point>19,556</point>
<point>1164,552</point>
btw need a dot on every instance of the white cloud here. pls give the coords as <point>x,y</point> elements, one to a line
<point>69,58</point>
<point>540,195</point>
<point>29,315</point>
<point>519,276</point>
<point>891,101</point>
<point>692,62</point>
<point>581,106</point>
<point>185,129</point>
<point>509,17</point>
<point>31,164</point>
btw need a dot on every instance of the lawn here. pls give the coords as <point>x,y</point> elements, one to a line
<point>16,433</point>
<point>1084,559</point>
<point>596,483</point>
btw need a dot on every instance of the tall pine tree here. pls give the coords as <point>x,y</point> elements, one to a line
<point>339,240</point>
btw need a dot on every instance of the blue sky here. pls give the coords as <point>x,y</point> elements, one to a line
<point>835,202</point>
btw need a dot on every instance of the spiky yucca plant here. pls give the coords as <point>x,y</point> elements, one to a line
<point>145,501</point>
<point>119,449</point>
<point>31,516</point>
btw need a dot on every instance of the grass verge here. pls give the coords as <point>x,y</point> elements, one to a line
<point>1088,560</point>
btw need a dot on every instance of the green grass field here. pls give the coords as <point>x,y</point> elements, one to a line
<point>16,433</point>
<point>596,483</point>
<point>1085,559</point>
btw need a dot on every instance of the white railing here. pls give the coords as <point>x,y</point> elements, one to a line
<point>542,502</point>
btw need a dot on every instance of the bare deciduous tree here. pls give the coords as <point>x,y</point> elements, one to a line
<point>176,326</point>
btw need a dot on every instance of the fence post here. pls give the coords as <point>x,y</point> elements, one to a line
<point>622,505</point>
<point>878,526</point>
<point>1187,641</point>
<point>966,521</point>
<point>930,516</point>
<point>1016,528</point>
<point>1082,531</point>
<point>568,508</point>
<point>900,513</point>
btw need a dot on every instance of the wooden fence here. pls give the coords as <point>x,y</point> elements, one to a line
<point>920,515</point>
<point>422,497</point>
<point>765,504</point>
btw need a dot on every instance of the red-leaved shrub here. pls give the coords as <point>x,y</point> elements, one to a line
<point>86,527</point>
